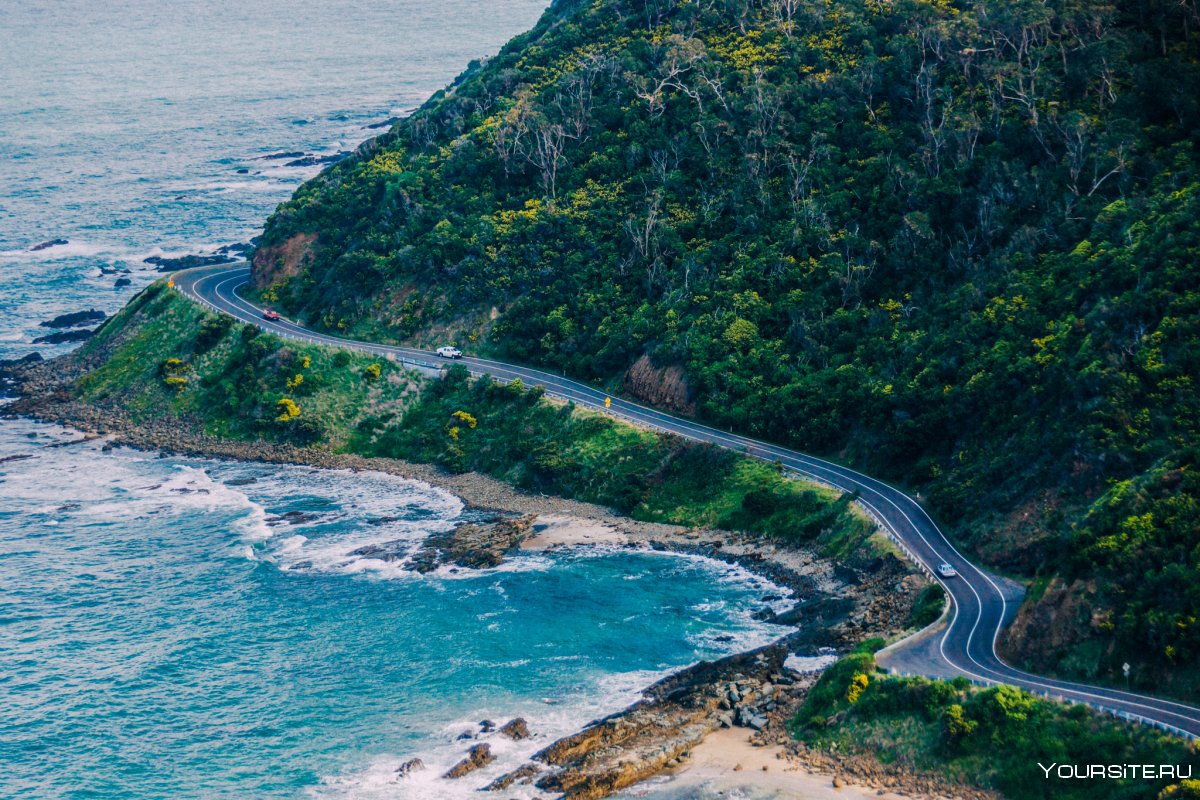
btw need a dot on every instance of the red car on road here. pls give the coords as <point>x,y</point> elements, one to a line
<point>273,316</point>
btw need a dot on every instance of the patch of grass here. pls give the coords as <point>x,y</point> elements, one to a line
<point>928,607</point>
<point>168,357</point>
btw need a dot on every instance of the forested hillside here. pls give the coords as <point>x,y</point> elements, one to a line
<point>954,244</point>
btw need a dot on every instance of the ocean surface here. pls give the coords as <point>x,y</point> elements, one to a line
<point>165,631</point>
<point>140,128</point>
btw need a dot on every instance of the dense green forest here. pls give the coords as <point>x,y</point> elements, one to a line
<point>954,244</point>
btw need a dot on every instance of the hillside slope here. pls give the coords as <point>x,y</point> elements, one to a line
<point>952,244</point>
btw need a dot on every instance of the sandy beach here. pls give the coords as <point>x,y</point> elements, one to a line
<point>552,531</point>
<point>727,765</point>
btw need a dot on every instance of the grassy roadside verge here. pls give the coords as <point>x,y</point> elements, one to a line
<point>164,356</point>
<point>993,738</point>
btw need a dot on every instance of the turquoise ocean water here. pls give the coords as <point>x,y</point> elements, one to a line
<point>164,631</point>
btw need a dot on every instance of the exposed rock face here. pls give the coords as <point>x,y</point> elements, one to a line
<point>656,732</point>
<point>284,260</point>
<point>472,545</point>
<point>1063,618</point>
<point>478,756</point>
<point>666,387</point>
<point>516,730</point>
<point>75,319</point>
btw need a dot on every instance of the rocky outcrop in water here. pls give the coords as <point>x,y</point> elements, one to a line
<point>516,730</point>
<point>409,767</point>
<point>282,155</point>
<point>63,337</point>
<point>165,264</point>
<point>316,161</point>
<point>386,123</point>
<point>48,244</point>
<point>75,319</point>
<point>472,545</point>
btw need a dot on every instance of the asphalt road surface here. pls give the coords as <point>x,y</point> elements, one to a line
<point>982,603</point>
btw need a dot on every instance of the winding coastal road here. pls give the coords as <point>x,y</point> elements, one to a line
<point>981,603</point>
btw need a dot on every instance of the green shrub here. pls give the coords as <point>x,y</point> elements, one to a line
<point>992,737</point>
<point>928,606</point>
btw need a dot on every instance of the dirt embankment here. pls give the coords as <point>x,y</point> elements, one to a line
<point>281,261</point>
<point>664,387</point>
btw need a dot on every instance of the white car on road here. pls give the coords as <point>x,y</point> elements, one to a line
<point>946,571</point>
<point>447,351</point>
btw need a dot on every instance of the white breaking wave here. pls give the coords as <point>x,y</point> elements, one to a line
<point>547,722</point>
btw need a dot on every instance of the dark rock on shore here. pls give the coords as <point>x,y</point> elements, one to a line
<point>288,517</point>
<point>62,337</point>
<point>409,767</point>
<point>241,481</point>
<point>75,319</point>
<point>48,244</point>
<point>282,155</point>
<point>315,160</point>
<point>383,551</point>
<point>472,545</point>
<point>237,249</point>
<point>478,756</point>
<point>30,358</point>
<point>821,611</point>
<point>387,123</point>
<point>187,262</point>
<point>12,373</point>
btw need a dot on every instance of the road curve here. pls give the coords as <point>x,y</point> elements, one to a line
<point>982,603</point>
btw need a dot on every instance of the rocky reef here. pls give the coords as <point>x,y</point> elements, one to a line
<point>746,690</point>
<point>471,545</point>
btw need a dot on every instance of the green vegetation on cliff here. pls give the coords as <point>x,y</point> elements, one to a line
<point>512,433</point>
<point>955,244</point>
<point>165,357</point>
<point>993,737</point>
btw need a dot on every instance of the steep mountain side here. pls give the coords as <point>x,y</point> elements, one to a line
<point>954,244</point>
